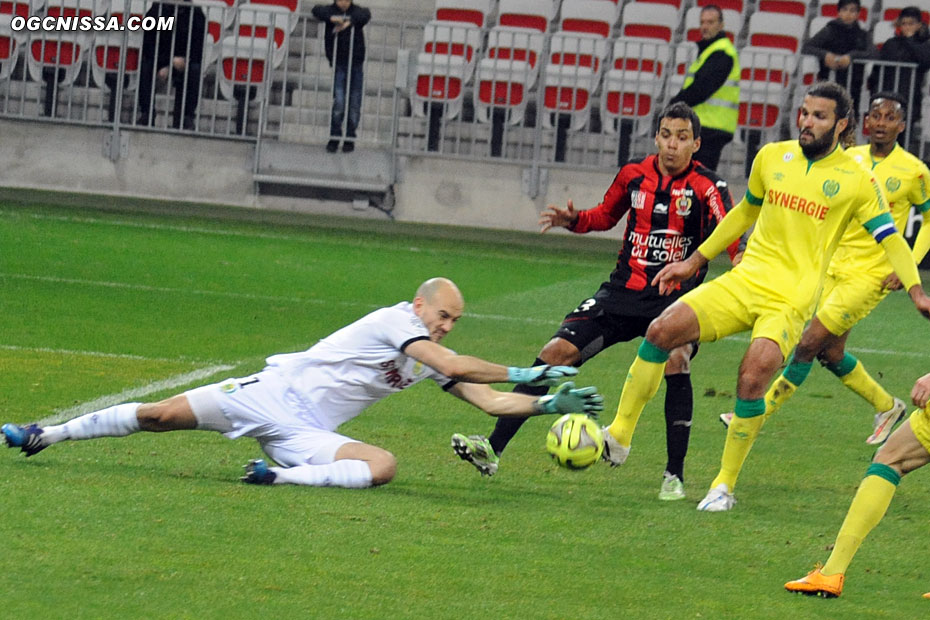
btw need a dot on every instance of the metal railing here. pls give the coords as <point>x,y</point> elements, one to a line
<point>539,100</point>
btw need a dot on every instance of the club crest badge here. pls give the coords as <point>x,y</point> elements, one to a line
<point>831,188</point>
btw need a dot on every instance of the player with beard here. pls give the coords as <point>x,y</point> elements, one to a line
<point>859,276</point>
<point>802,195</point>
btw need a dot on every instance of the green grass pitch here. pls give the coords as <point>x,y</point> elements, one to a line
<point>100,306</point>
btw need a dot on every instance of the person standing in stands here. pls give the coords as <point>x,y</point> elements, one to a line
<point>344,42</point>
<point>711,87</point>
<point>174,54</point>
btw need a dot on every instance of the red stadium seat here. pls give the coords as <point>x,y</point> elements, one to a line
<point>776,30</point>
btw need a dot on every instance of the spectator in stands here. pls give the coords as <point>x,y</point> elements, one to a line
<point>344,21</point>
<point>910,45</point>
<point>711,87</point>
<point>174,54</point>
<point>838,44</point>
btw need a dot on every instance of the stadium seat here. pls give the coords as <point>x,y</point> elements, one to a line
<point>787,7</point>
<point>776,31</point>
<point>828,9</point>
<point>440,79</point>
<point>765,77</point>
<point>108,47</point>
<point>891,8</point>
<point>264,20</point>
<point>734,5</point>
<point>291,9</point>
<point>649,21</point>
<point>633,84</point>
<point>468,11</point>
<point>732,22</point>
<point>11,46</point>
<point>220,16</point>
<point>817,24</point>
<point>22,8</point>
<point>510,67</point>
<point>576,59</point>
<point>445,64</point>
<point>61,52</point>
<point>683,55</point>
<point>592,17</point>
<point>678,5</point>
<point>881,32</point>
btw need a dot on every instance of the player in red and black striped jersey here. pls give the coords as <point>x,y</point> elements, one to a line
<point>672,204</point>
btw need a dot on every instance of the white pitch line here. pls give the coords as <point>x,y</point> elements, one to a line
<point>916,354</point>
<point>252,296</point>
<point>359,242</point>
<point>122,356</point>
<point>131,394</point>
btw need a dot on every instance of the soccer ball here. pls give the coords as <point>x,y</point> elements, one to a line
<point>575,441</point>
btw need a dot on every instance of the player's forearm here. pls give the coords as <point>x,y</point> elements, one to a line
<point>901,259</point>
<point>729,229</point>
<point>473,370</point>
<point>922,242</point>
<point>503,404</point>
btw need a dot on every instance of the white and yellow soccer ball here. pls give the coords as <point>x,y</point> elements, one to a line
<point>575,441</point>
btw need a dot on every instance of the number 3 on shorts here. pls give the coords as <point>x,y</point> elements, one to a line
<point>586,305</point>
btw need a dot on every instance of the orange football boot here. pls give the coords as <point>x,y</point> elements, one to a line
<point>816,583</point>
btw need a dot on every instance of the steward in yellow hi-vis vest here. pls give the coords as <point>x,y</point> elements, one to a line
<point>711,87</point>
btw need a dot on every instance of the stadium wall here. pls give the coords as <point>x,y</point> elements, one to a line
<point>71,160</point>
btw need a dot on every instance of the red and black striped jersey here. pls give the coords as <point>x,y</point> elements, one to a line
<point>667,219</point>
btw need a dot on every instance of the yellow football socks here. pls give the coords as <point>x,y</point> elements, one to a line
<point>779,392</point>
<point>785,385</point>
<point>642,383</point>
<point>741,434</point>
<point>854,376</point>
<point>867,509</point>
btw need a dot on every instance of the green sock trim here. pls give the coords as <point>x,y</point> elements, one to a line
<point>749,408</point>
<point>797,372</point>
<point>883,471</point>
<point>844,366</point>
<point>652,353</point>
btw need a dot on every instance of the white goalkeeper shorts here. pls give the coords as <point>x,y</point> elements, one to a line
<point>264,406</point>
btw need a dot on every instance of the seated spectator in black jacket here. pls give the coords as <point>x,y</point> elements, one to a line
<point>838,44</point>
<point>910,45</point>
<point>176,54</point>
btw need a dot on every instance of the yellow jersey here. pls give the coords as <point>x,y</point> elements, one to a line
<point>904,180</point>
<point>804,208</point>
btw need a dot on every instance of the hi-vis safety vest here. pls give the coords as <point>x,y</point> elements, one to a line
<point>722,109</point>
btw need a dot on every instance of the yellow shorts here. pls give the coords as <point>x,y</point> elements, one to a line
<point>731,304</point>
<point>920,424</point>
<point>847,298</point>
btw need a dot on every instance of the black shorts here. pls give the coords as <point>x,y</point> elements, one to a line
<point>595,324</point>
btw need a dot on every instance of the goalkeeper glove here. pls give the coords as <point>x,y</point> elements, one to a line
<point>540,375</point>
<point>569,399</point>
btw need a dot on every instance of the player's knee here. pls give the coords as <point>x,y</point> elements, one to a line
<point>560,352</point>
<point>807,350</point>
<point>383,468</point>
<point>166,415</point>
<point>679,361</point>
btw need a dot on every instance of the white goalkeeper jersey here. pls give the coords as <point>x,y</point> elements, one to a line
<point>358,365</point>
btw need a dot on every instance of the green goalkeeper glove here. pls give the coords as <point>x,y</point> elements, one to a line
<point>569,399</point>
<point>540,375</point>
